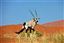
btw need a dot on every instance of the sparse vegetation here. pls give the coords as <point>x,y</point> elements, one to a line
<point>37,37</point>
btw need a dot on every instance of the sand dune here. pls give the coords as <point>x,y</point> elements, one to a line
<point>48,28</point>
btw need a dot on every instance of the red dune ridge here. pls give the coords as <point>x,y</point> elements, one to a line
<point>52,27</point>
<point>57,26</point>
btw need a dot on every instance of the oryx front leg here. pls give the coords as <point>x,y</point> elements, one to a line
<point>26,28</point>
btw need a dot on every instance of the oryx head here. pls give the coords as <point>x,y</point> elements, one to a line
<point>35,16</point>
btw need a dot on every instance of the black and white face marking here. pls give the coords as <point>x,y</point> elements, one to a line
<point>35,20</point>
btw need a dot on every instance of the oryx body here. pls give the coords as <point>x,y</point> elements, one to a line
<point>30,24</point>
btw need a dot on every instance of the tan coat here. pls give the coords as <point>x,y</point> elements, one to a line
<point>30,24</point>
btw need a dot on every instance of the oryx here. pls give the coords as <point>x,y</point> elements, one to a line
<point>30,24</point>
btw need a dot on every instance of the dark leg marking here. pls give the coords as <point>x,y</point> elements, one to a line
<point>27,30</point>
<point>30,30</point>
<point>33,30</point>
<point>20,31</point>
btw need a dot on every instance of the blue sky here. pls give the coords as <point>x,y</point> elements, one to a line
<point>17,11</point>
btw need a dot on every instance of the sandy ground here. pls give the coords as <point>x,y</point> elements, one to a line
<point>7,34</point>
